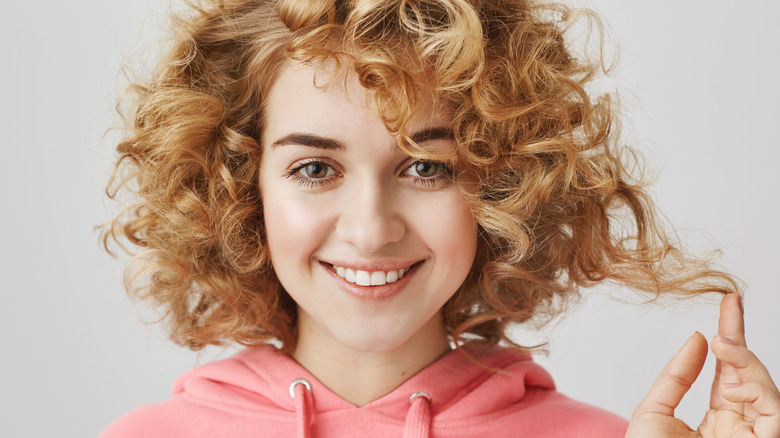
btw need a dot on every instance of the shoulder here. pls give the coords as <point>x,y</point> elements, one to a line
<point>173,418</point>
<point>149,420</point>
<point>521,400</point>
<point>574,418</point>
<point>543,413</point>
<point>214,399</point>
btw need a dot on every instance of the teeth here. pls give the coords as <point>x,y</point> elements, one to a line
<point>378,278</point>
<point>392,276</point>
<point>363,278</point>
<point>366,278</point>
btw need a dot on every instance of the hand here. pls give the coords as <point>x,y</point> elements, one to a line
<point>744,401</point>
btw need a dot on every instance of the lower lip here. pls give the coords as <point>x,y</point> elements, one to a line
<point>373,293</point>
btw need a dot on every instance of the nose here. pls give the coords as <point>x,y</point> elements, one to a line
<point>370,218</point>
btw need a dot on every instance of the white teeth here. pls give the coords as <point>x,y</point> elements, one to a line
<point>366,278</point>
<point>363,278</point>
<point>392,276</point>
<point>378,278</point>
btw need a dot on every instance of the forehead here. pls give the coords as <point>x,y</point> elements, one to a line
<point>319,86</point>
<point>326,96</point>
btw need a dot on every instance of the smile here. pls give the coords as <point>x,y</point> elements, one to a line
<point>370,278</point>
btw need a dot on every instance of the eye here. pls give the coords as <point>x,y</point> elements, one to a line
<point>429,174</point>
<point>316,170</point>
<point>312,172</point>
<point>425,169</point>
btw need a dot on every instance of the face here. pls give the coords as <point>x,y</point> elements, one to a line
<point>368,241</point>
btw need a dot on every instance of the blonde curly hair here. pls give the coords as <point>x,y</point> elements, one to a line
<point>556,207</point>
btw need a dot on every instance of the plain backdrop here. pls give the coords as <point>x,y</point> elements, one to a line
<point>698,83</point>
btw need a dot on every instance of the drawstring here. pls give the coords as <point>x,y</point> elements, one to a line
<point>300,391</point>
<point>418,419</point>
<point>417,424</point>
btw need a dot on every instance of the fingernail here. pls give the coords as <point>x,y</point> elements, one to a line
<point>730,385</point>
<point>726,340</point>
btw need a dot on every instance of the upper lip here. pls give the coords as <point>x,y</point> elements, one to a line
<point>370,265</point>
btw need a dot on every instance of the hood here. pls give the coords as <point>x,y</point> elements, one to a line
<point>258,381</point>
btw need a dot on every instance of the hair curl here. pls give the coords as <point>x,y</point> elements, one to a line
<point>556,206</point>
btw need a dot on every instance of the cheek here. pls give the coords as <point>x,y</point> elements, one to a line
<point>448,227</point>
<point>293,227</point>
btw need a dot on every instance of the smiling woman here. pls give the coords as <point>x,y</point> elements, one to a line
<point>371,185</point>
<point>352,201</point>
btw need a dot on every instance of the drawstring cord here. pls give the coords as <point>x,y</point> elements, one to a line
<point>417,424</point>
<point>418,419</point>
<point>300,391</point>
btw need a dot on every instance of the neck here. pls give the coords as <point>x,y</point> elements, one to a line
<point>361,377</point>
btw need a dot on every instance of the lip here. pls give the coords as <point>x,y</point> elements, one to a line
<point>373,293</point>
<point>371,266</point>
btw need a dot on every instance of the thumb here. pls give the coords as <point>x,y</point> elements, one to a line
<point>676,379</point>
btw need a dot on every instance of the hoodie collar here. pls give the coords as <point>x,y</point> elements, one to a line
<point>259,378</point>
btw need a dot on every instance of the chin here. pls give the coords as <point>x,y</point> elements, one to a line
<point>373,342</point>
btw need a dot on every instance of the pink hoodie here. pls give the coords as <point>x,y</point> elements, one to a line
<point>253,395</point>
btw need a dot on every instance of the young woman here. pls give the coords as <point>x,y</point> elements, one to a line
<point>380,189</point>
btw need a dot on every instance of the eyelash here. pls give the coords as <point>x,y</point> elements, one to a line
<point>295,174</point>
<point>445,174</point>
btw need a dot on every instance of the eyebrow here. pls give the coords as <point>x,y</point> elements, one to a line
<point>320,142</point>
<point>312,140</point>
<point>428,134</point>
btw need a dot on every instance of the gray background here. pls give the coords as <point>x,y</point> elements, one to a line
<point>697,79</point>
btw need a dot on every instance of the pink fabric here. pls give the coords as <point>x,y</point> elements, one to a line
<point>248,395</point>
<point>418,420</point>
<point>302,396</point>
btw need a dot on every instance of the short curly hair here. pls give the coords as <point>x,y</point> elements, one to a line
<point>556,207</point>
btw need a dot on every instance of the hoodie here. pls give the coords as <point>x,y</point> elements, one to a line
<point>260,392</point>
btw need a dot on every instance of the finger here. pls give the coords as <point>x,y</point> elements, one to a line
<point>731,325</point>
<point>715,399</point>
<point>675,379</point>
<point>764,400</point>
<point>748,367</point>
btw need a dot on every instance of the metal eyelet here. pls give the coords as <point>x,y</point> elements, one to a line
<point>424,395</point>
<point>303,382</point>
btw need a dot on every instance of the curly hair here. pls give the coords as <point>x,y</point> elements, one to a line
<point>556,206</point>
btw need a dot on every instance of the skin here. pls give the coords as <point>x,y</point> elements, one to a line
<point>744,401</point>
<point>363,202</point>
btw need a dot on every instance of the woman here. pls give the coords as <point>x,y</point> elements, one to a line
<point>372,184</point>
